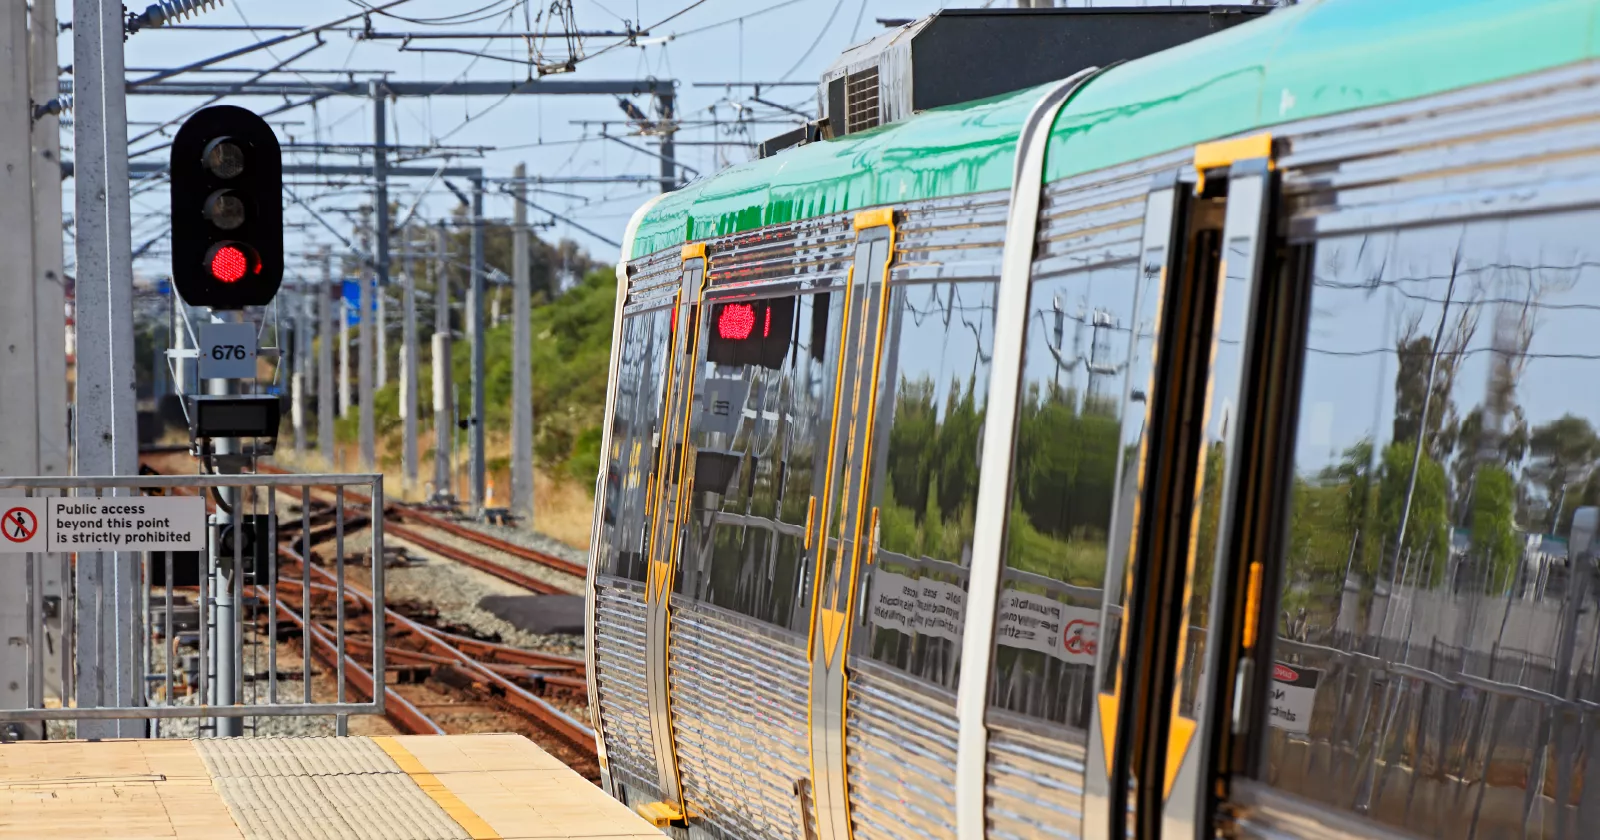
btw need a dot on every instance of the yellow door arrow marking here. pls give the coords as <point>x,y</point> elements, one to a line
<point>1108,727</point>
<point>1179,734</point>
<point>832,629</point>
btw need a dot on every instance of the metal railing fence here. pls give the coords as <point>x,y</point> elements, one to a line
<point>234,608</point>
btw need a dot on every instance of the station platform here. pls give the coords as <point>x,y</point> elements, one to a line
<point>417,787</point>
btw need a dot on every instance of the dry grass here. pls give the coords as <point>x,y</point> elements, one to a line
<point>562,508</point>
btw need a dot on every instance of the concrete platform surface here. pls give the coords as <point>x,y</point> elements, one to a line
<point>414,787</point>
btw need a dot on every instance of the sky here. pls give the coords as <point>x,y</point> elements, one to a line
<point>710,41</point>
<point>695,42</point>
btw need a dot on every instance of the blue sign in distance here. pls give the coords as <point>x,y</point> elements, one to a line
<point>352,301</point>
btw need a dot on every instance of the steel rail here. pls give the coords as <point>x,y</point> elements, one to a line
<point>488,540</point>
<point>397,709</point>
<point>532,584</point>
<point>516,696</point>
<point>462,531</point>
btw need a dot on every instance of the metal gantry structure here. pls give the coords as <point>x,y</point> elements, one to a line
<point>111,166</point>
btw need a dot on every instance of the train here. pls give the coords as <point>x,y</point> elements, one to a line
<point>1196,441</point>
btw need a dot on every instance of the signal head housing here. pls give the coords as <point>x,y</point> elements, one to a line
<point>227,209</point>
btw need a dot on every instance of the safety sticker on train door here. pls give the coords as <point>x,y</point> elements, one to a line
<point>1292,697</point>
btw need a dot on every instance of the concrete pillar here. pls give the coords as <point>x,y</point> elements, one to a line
<point>109,633</point>
<point>521,360</point>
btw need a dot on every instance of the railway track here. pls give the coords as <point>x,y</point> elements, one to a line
<point>397,518</point>
<point>514,680</point>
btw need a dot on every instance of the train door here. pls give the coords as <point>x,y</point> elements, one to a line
<point>668,495</point>
<point>1165,708</point>
<point>840,529</point>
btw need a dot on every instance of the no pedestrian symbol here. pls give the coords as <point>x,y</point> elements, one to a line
<point>19,525</point>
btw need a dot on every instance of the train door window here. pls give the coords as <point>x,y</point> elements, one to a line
<point>840,509</point>
<point>1087,349</point>
<point>637,424</point>
<point>1160,487</point>
<point>754,431</point>
<point>933,385</point>
<point>1436,649</point>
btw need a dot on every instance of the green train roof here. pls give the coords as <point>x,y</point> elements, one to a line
<point>1303,61</point>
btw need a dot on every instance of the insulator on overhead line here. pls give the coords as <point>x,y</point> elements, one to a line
<point>166,11</point>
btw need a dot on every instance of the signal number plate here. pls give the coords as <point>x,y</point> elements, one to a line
<point>227,351</point>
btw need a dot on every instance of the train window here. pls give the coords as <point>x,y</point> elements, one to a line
<point>1086,357</point>
<point>636,424</point>
<point>759,436</point>
<point>933,384</point>
<point>1436,642</point>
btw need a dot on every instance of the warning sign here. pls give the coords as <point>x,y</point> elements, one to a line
<point>924,606</point>
<point>1292,696</point>
<point>125,523</point>
<point>20,525</point>
<point>1038,622</point>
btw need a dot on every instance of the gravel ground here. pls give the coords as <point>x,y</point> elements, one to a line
<point>455,591</point>
<point>568,583</point>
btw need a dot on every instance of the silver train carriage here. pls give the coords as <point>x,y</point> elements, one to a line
<point>1201,445</point>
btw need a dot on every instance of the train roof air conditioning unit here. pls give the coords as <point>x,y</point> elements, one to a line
<point>962,55</point>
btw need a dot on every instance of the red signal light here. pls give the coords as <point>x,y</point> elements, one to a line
<point>228,264</point>
<point>738,321</point>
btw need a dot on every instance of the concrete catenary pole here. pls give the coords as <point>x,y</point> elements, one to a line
<point>49,289</point>
<point>521,360</point>
<point>297,369</point>
<point>364,353</point>
<point>345,400</point>
<point>19,415</point>
<point>408,368</point>
<point>667,104</point>
<point>329,302</point>
<point>109,632</point>
<point>477,327</point>
<point>50,304</point>
<point>380,200</point>
<point>443,388</point>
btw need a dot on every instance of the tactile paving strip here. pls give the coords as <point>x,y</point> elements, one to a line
<point>321,789</point>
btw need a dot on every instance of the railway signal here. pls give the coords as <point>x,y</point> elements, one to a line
<point>227,209</point>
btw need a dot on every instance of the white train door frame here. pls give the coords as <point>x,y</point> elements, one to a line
<point>994,487</point>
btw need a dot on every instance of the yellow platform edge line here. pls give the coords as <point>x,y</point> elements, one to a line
<point>468,819</point>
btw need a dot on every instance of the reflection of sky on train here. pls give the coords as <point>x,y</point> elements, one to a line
<point>946,336</point>
<point>1078,333</point>
<point>1369,287</point>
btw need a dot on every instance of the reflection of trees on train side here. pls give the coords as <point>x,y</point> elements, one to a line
<point>1481,372</point>
<point>928,504</point>
<point>1064,473</point>
<point>1080,345</point>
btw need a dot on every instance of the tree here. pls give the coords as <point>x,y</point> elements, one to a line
<point>1428,525</point>
<point>1494,534</point>
<point>913,435</point>
<point>1411,383</point>
<point>1564,452</point>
